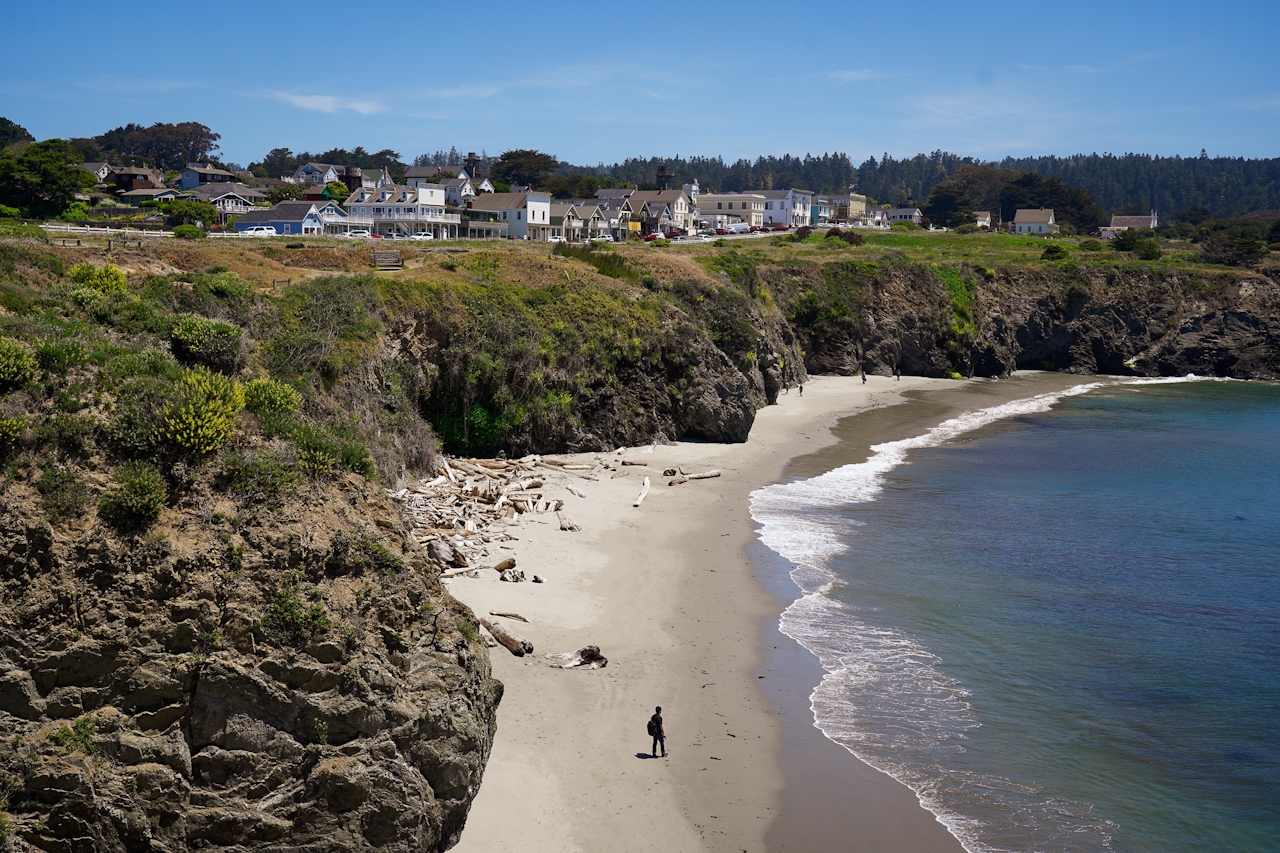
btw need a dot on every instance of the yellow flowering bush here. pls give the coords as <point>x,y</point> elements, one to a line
<point>204,415</point>
<point>17,364</point>
<point>108,279</point>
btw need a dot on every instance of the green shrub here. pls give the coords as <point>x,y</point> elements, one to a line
<point>77,211</point>
<point>14,228</point>
<point>108,279</point>
<point>1091,245</point>
<point>60,356</point>
<point>85,296</point>
<point>137,499</point>
<point>356,553</point>
<point>1233,251</point>
<point>138,426</point>
<point>199,340</point>
<point>77,736</point>
<point>188,232</point>
<point>17,364</point>
<point>204,414</point>
<point>1149,250</point>
<point>968,228</point>
<point>62,493</point>
<point>266,396</point>
<point>1054,252</point>
<point>449,264</point>
<point>264,477</point>
<point>67,433</point>
<point>289,618</point>
<point>660,242</point>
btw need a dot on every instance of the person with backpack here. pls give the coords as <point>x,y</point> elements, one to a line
<point>658,733</point>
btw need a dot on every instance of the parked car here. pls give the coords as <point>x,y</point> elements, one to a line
<point>556,239</point>
<point>649,238</point>
<point>671,235</point>
<point>260,231</point>
<point>377,236</point>
<point>357,235</point>
<point>777,226</point>
<point>706,232</point>
<point>422,235</point>
<point>602,238</point>
<point>722,231</point>
<point>755,228</point>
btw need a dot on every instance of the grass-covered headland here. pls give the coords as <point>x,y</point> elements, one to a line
<point>135,380</point>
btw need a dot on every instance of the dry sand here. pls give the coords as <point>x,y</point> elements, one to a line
<point>669,594</point>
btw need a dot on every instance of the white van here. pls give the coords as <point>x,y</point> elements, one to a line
<point>259,231</point>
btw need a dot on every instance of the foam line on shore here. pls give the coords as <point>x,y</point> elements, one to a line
<point>907,714</point>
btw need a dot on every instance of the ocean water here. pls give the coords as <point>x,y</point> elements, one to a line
<point>1057,620</point>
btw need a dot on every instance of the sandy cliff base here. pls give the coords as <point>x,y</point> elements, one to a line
<point>670,595</point>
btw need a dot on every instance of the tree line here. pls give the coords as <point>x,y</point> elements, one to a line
<point>1128,184</point>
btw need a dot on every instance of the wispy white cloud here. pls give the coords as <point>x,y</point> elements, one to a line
<point>856,75</point>
<point>109,85</point>
<point>1258,103</point>
<point>329,103</point>
<point>475,90</point>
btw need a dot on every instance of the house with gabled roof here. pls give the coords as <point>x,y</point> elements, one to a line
<point>130,178</point>
<point>198,174</point>
<point>400,209</point>
<point>287,217</point>
<point>527,214</point>
<point>99,170</point>
<point>792,208</point>
<point>655,207</point>
<point>230,199</point>
<point>1129,223</point>
<point>1034,221</point>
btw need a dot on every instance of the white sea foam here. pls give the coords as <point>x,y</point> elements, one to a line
<point>883,696</point>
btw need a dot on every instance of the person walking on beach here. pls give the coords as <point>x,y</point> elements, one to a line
<point>802,390</point>
<point>658,733</point>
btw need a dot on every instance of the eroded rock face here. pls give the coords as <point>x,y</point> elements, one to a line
<point>298,685</point>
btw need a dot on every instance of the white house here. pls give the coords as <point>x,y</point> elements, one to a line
<point>1036,221</point>
<point>719,209</point>
<point>793,208</point>
<point>527,214</point>
<point>327,173</point>
<point>458,190</point>
<point>983,219</point>
<point>230,199</point>
<point>98,170</point>
<point>397,209</point>
<point>904,214</point>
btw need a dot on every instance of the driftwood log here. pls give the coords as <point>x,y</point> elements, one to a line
<point>508,615</point>
<point>587,657</point>
<point>509,563</point>
<point>617,474</point>
<point>635,462</point>
<point>575,492</point>
<point>684,478</point>
<point>644,491</point>
<point>514,643</point>
<point>567,523</point>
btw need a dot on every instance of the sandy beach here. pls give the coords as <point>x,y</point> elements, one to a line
<point>669,593</point>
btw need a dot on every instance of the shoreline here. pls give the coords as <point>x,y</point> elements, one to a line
<point>675,595</point>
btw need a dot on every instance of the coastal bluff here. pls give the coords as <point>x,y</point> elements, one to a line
<point>299,682</point>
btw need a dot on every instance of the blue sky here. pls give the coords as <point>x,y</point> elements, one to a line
<point>601,82</point>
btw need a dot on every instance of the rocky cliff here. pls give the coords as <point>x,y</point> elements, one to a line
<point>297,680</point>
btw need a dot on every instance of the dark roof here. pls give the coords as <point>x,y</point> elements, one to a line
<point>432,171</point>
<point>285,211</point>
<point>1134,222</point>
<point>618,193</point>
<point>221,188</point>
<point>206,169</point>
<point>1036,216</point>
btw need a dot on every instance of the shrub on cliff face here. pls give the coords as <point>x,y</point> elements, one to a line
<point>204,415</point>
<point>62,493</point>
<point>11,432</point>
<point>108,279</point>
<point>17,364</point>
<point>289,618</point>
<point>137,498</point>
<point>199,340</point>
<point>268,397</point>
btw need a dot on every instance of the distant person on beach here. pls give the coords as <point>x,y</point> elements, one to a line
<point>897,374</point>
<point>864,377</point>
<point>801,390</point>
<point>658,733</point>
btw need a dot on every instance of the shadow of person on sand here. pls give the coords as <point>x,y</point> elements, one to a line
<point>645,755</point>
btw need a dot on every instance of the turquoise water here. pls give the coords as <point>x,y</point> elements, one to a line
<point>1056,620</point>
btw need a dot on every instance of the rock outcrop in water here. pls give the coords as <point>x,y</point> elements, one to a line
<point>298,682</point>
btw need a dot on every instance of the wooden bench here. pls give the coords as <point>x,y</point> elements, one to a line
<point>388,259</point>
